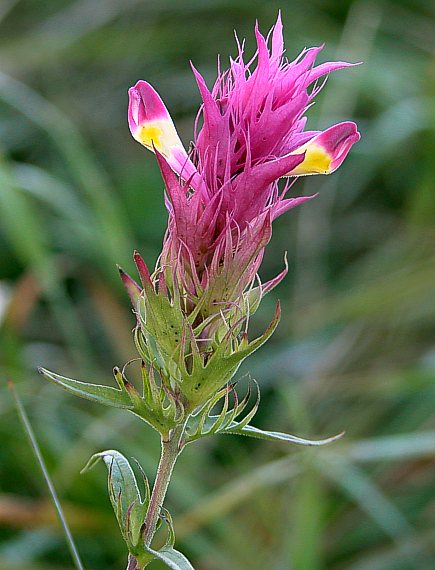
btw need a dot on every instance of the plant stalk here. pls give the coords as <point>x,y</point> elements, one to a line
<point>171,449</point>
<point>132,563</point>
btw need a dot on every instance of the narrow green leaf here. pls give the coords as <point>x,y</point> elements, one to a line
<point>165,516</point>
<point>221,417</point>
<point>102,394</point>
<point>251,431</point>
<point>398,447</point>
<point>249,416</point>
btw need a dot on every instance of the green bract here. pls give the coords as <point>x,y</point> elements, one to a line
<point>192,366</point>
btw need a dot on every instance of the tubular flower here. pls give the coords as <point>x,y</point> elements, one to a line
<point>151,125</point>
<point>223,197</point>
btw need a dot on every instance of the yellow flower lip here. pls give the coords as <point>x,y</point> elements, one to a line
<point>151,125</point>
<point>159,134</point>
<point>317,161</point>
<point>150,136</point>
<point>325,152</point>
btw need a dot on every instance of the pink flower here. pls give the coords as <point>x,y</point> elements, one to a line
<point>152,126</point>
<point>223,198</point>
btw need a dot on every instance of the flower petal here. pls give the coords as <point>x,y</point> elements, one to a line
<point>151,125</point>
<point>325,152</point>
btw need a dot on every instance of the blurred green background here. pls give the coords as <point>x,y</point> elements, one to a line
<point>355,350</point>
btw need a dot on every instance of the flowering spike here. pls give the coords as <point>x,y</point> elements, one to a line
<point>222,202</point>
<point>193,313</point>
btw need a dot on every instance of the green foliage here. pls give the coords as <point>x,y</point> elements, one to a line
<point>172,558</point>
<point>129,506</point>
<point>130,510</point>
<point>117,398</point>
<point>151,406</point>
<point>167,554</point>
<point>207,378</point>
<point>202,423</point>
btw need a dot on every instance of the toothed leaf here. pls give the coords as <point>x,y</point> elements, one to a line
<point>221,367</point>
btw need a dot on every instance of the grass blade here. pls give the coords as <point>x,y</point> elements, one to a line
<point>371,500</point>
<point>36,450</point>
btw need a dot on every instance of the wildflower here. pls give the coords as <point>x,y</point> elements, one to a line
<point>223,198</point>
<point>193,311</point>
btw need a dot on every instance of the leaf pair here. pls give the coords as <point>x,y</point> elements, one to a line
<point>129,506</point>
<point>130,510</point>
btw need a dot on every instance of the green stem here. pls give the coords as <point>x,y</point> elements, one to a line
<point>171,449</point>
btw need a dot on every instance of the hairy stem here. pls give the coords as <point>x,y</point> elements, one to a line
<point>132,563</point>
<point>171,449</point>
